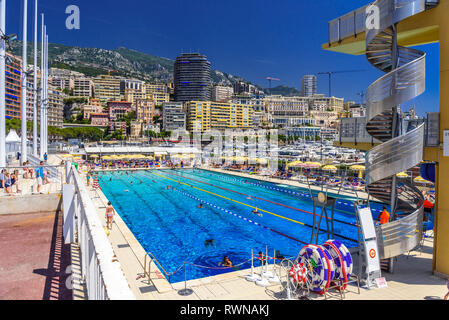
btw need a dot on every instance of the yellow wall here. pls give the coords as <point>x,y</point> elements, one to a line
<point>441,247</point>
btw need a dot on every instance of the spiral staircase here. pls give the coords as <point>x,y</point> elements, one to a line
<point>404,80</point>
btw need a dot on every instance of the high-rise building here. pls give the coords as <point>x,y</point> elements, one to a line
<point>308,85</point>
<point>173,116</point>
<point>192,78</point>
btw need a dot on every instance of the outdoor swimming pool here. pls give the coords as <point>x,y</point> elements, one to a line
<point>168,223</point>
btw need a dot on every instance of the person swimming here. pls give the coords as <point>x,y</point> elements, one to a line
<point>209,242</point>
<point>226,262</point>
<point>200,206</point>
<point>257,212</point>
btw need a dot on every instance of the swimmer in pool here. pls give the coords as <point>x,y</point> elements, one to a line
<point>126,190</point>
<point>257,212</point>
<point>226,262</point>
<point>168,187</point>
<point>209,242</point>
<point>200,206</point>
<point>131,182</point>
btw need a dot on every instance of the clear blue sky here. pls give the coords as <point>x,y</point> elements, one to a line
<point>249,38</point>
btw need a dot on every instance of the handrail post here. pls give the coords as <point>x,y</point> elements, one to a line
<point>185,291</point>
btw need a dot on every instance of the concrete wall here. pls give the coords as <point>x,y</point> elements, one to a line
<point>30,204</point>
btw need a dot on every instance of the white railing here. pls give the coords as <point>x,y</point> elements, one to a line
<point>101,273</point>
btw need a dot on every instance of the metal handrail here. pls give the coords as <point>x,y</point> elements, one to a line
<point>153,258</point>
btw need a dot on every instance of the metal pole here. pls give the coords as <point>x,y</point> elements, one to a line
<point>24,83</point>
<point>35,83</point>
<point>41,131</point>
<point>46,92</point>
<point>2,85</point>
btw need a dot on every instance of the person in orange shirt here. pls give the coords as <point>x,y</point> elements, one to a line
<point>384,216</point>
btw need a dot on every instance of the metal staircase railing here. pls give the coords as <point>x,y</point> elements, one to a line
<point>399,151</point>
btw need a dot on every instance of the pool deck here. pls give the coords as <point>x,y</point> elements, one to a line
<point>34,263</point>
<point>412,280</point>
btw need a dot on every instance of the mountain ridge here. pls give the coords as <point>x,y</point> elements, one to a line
<point>127,62</point>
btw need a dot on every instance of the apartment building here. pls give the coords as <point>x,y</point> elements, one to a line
<point>159,93</point>
<point>107,88</point>
<point>222,93</point>
<point>99,119</point>
<point>173,116</point>
<point>83,87</point>
<point>55,110</point>
<point>118,109</point>
<point>145,110</point>
<point>94,106</point>
<point>13,83</point>
<point>207,115</point>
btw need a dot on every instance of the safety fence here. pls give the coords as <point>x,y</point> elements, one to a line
<point>264,261</point>
<point>101,273</point>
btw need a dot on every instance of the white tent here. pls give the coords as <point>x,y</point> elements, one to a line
<point>13,142</point>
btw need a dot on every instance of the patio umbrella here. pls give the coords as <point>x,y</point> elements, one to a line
<point>402,175</point>
<point>358,167</point>
<point>329,168</point>
<point>310,164</point>
<point>295,163</point>
<point>422,180</point>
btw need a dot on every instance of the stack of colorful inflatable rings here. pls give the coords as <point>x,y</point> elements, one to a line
<point>320,264</point>
<point>342,260</point>
<point>327,263</point>
<point>298,273</point>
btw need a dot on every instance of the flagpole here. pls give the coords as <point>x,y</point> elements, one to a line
<point>2,85</point>
<point>41,106</point>
<point>35,83</point>
<point>24,83</point>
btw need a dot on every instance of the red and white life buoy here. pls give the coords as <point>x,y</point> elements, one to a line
<point>298,273</point>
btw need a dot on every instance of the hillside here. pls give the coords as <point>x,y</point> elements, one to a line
<point>126,63</point>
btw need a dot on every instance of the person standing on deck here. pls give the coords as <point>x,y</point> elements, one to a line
<point>384,216</point>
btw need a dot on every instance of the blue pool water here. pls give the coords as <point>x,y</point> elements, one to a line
<point>168,223</point>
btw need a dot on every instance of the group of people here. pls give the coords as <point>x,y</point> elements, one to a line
<point>9,180</point>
